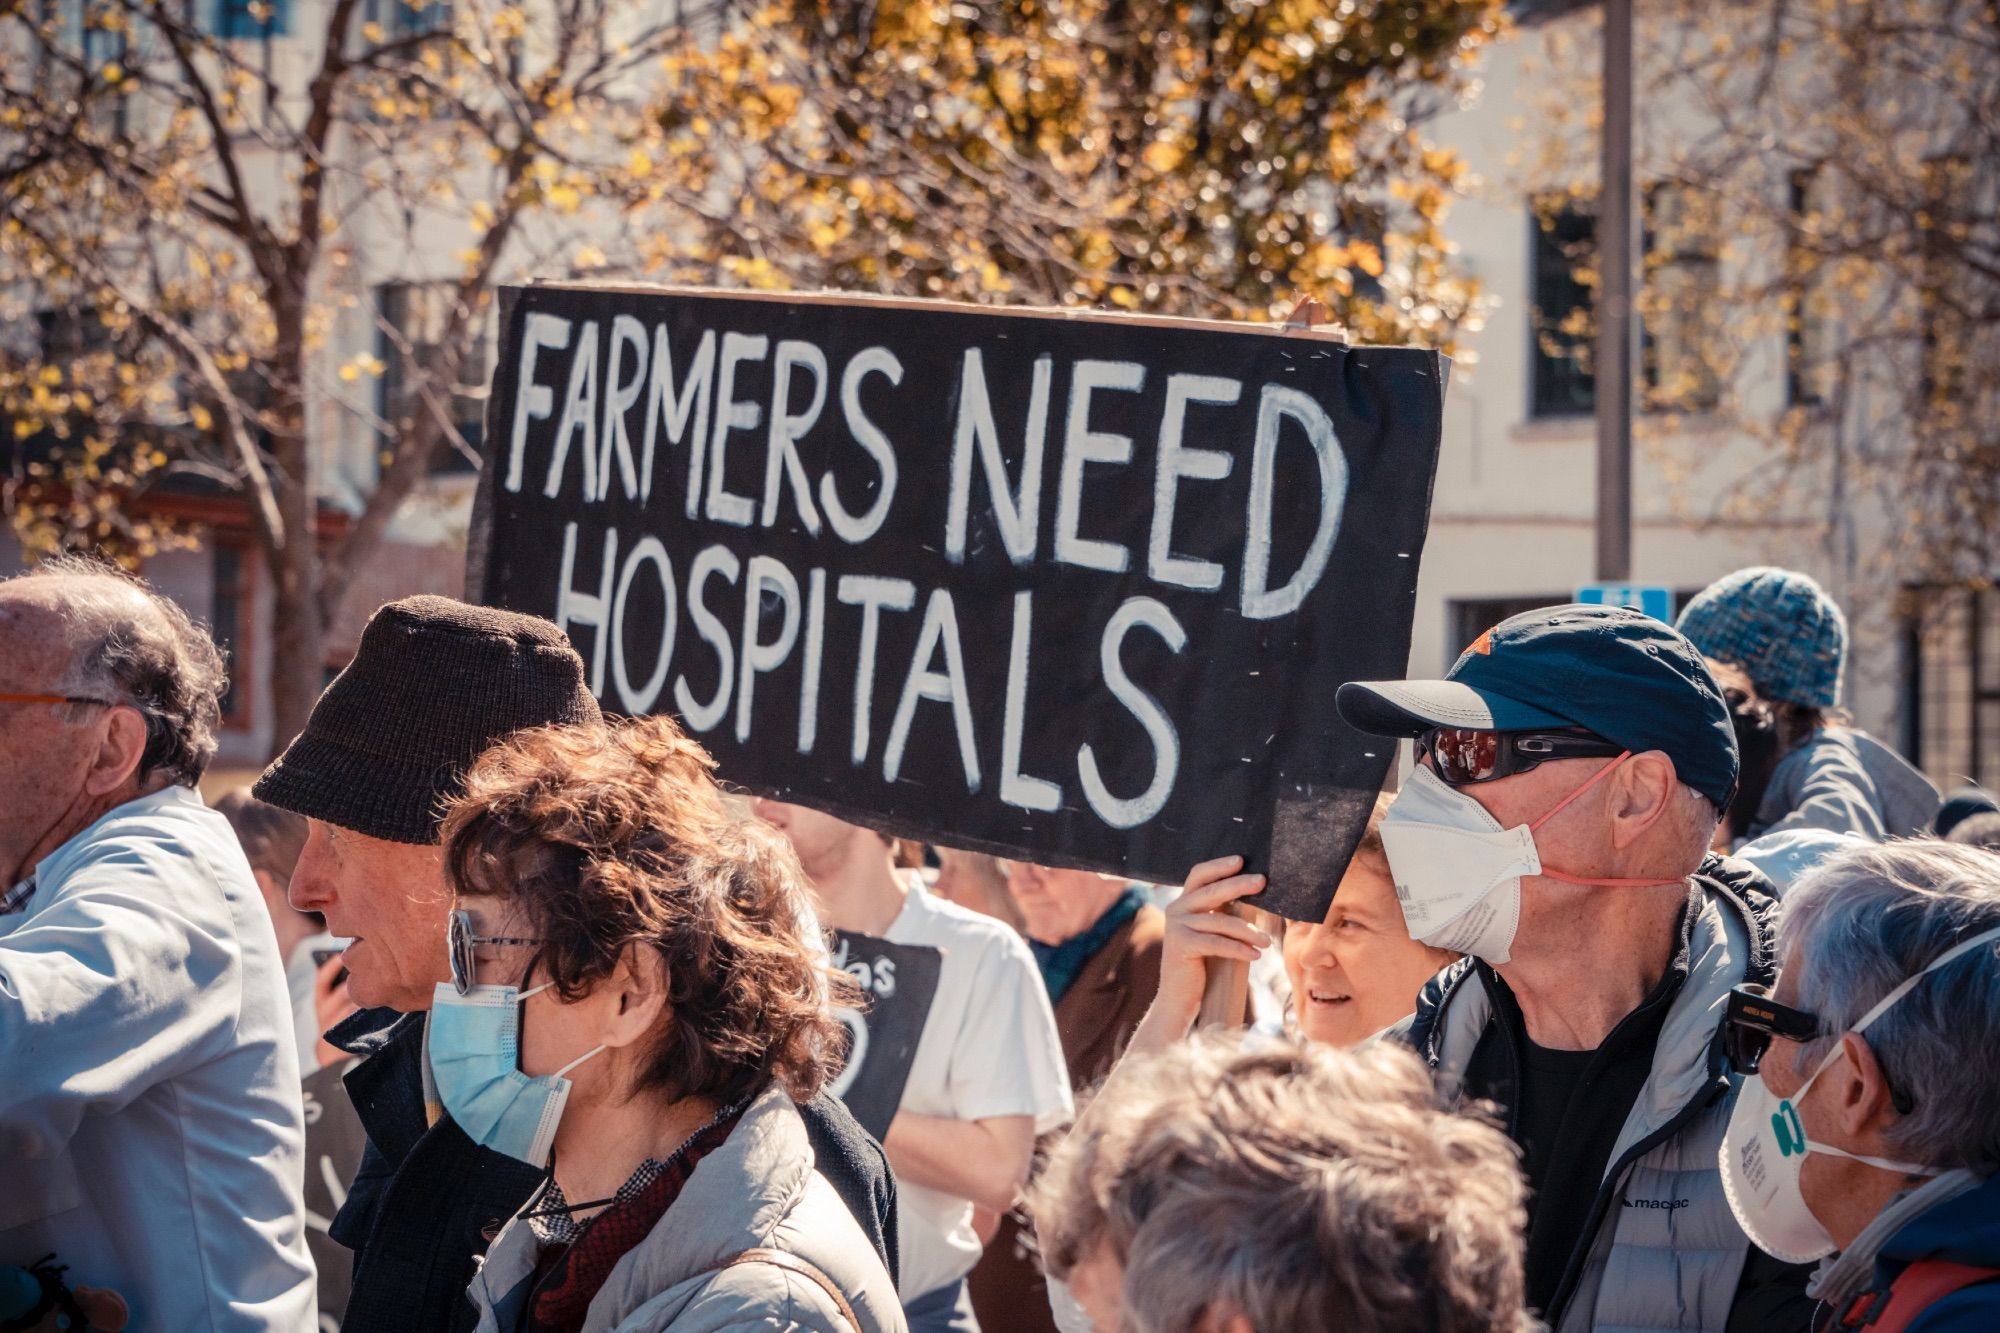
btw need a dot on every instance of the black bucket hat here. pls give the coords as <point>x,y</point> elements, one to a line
<point>434,683</point>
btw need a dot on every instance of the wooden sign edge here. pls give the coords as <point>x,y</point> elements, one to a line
<point>1330,334</point>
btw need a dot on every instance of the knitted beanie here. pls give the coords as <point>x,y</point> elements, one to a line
<point>1779,626</point>
<point>432,685</point>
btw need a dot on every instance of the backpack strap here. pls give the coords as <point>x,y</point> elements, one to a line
<point>1918,1287</point>
<point>792,1263</point>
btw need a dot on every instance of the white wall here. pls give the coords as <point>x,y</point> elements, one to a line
<point>1515,498</point>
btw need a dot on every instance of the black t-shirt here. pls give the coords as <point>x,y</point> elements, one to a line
<point>1566,1109</point>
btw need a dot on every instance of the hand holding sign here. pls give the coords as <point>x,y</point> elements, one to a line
<point>1077,589</point>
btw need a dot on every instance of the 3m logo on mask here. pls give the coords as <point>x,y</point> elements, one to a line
<point>1787,1129</point>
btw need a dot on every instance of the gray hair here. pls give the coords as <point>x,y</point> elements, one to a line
<point>145,652</point>
<point>1306,1188</point>
<point>1866,920</point>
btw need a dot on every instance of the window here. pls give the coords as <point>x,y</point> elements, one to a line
<point>1947,186</point>
<point>1469,618</point>
<point>1809,341</point>
<point>414,320</point>
<point>1951,685</point>
<point>230,616</point>
<point>1681,336</point>
<point>401,18</point>
<point>1561,288</point>
<point>235,19</point>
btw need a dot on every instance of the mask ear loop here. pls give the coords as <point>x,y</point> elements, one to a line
<point>1563,805</point>
<point>564,1071</point>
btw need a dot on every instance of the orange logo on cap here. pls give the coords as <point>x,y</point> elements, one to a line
<point>1483,645</point>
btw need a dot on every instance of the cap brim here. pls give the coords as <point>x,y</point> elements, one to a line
<point>1412,707</point>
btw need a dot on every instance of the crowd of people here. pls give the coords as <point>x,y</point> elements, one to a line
<point>1655,996</point>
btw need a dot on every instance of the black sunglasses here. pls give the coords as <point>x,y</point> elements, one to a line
<point>1461,755</point>
<point>461,940</point>
<point>1753,1018</point>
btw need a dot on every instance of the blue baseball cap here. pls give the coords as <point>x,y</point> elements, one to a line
<point>1627,677</point>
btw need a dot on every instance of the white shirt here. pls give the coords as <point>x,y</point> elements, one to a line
<point>989,1048</point>
<point>151,1131</point>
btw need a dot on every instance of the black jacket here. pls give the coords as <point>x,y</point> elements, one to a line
<point>427,1200</point>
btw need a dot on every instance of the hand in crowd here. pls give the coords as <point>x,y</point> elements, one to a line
<point>330,1005</point>
<point>1199,928</point>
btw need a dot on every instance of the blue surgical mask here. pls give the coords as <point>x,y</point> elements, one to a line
<point>474,1047</point>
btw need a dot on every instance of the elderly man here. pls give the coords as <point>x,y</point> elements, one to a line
<point>1569,778</point>
<point>1869,1125</point>
<point>151,1134</point>
<point>434,683</point>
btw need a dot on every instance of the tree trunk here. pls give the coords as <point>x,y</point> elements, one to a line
<point>298,632</point>
<point>298,641</point>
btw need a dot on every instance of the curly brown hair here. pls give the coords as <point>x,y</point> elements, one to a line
<point>614,835</point>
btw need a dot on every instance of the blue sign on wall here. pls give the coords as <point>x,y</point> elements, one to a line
<point>1656,600</point>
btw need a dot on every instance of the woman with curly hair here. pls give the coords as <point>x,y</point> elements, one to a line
<point>634,999</point>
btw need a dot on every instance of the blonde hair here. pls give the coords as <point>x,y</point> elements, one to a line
<point>1306,1188</point>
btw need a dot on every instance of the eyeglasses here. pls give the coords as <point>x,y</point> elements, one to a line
<point>1753,1018</point>
<point>54,699</point>
<point>1461,755</point>
<point>461,941</point>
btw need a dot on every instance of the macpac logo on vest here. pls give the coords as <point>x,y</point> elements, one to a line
<point>1663,1205</point>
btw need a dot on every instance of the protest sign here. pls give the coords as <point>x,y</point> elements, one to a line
<point>898,983</point>
<point>1076,589</point>
<point>334,1143</point>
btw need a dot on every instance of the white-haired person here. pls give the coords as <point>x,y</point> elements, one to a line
<point>1283,1187</point>
<point>1869,1132</point>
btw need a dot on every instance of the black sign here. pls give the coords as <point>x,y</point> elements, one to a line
<point>334,1142</point>
<point>898,981</point>
<point>1078,589</point>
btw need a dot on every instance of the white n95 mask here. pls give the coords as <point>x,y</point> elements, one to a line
<point>1458,872</point>
<point>1764,1149</point>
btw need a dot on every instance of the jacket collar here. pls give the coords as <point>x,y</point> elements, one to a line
<point>1909,1228</point>
<point>1724,942</point>
<point>386,1086</point>
<point>735,1197</point>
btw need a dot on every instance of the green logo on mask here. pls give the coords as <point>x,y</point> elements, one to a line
<point>1790,1133</point>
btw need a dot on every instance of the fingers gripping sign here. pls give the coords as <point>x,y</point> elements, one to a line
<point>1206,954</point>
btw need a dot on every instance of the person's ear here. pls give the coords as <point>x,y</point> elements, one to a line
<point>1862,1103</point>
<point>1642,792</point>
<point>121,744</point>
<point>638,996</point>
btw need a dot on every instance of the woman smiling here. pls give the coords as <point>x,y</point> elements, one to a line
<point>1353,974</point>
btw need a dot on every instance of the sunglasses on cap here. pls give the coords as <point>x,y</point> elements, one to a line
<point>461,941</point>
<point>1461,755</point>
<point>1753,1018</point>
